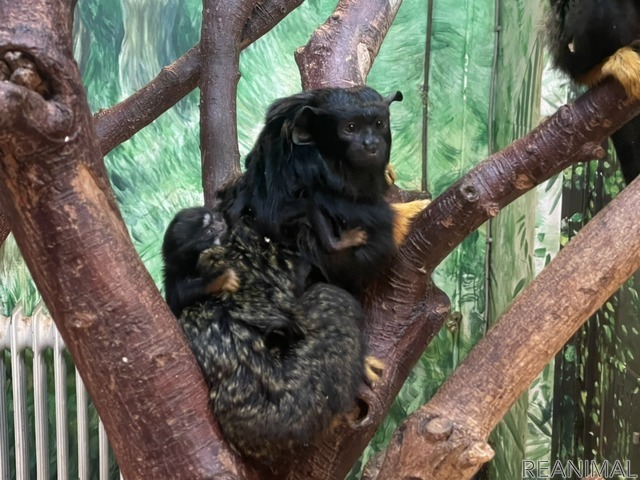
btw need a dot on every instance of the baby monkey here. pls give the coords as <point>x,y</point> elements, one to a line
<point>192,231</point>
<point>283,362</point>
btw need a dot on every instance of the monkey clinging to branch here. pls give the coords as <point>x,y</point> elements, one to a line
<point>593,39</point>
<point>281,367</point>
<point>316,179</point>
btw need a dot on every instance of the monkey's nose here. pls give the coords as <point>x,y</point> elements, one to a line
<point>371,146</point>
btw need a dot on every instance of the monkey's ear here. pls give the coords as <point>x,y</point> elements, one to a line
<point>394,97</point>
<point>301,132</point>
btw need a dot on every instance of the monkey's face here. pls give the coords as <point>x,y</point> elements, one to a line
<point>193,230</point>
<point>214,229</point>
<point>366,140</point>
<point>359,137</point>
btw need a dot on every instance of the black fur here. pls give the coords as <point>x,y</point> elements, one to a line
<point>279,367</point>
<point>581,35</point>
<point>315,181</point>
<point>191,231</point>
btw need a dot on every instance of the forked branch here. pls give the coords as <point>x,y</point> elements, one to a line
<point>341,52</point>
<point>119,123</point>
<point>536,326</point>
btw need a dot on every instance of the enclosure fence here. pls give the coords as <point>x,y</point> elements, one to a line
<point>48,426</point>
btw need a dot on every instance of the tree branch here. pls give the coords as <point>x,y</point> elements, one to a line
<point>4,228</point>
<point>222,24</point>
<point>55,194</point>
<point>404,309</point>
<point>120,122</point>
<point>513,353</point>
<point>341,51</point>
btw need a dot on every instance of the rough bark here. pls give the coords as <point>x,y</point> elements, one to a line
<point>513,353</point>
<point>341,51</point>
<point>405,310</point>
<point>119,123</point>
<point>222,24</point>
<point>55,194</point>
<point>4,228</point>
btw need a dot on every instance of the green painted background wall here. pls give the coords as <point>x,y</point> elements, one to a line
<point>484,89</point>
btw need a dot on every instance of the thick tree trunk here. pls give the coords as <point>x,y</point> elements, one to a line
<point>54,191</point>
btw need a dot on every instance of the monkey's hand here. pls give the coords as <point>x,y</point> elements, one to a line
<point>390,174</point>
<point>373,368</point>
<point>227,282</point>
<point>351,238</point>
<point>404,214</point>
<point>624,66</point>
<point>323,229</point>
<point>210,259</point>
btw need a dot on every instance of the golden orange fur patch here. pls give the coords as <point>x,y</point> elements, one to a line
<point>404,214</point>
<point>624,65</point>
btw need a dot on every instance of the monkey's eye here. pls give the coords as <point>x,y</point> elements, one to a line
<point>210,232</point>
<point>380,124</point>
<point>350,127</point>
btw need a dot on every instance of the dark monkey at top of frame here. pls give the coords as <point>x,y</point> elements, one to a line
<point>315,182</point>
<point>593,39</point>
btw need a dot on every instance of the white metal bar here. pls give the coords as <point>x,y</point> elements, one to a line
<point>4,422</point>
<point>38,332</point>
<point>41,328</point>
<point>19,340</point>
<point>5,344</point>
<point>60,389</point>
<point>83,429</point>
<point>103,450</point>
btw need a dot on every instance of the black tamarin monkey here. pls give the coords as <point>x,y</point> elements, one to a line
<point>315,181</point>
<point>592,39</point>
<point>280,367</point>
<point>192,231</point>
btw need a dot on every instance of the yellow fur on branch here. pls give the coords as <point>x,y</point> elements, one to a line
<point>404,214</point>
<point>624,66</point>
